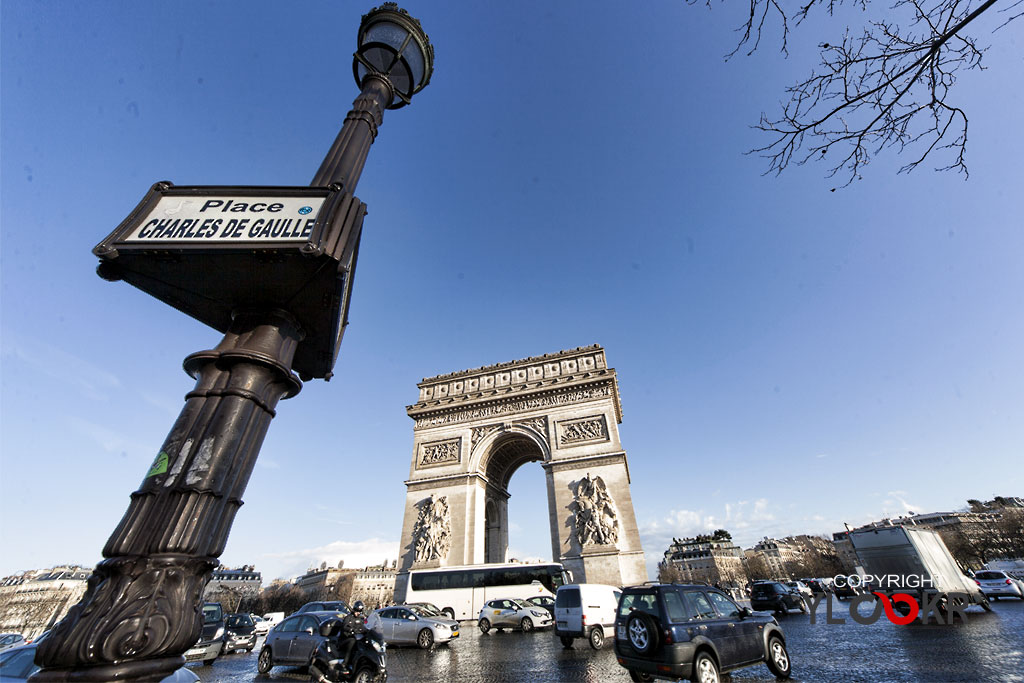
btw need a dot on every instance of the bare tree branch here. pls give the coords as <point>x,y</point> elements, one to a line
<point>887,87</point>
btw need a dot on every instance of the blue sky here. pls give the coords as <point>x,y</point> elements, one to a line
<point>789,358</point>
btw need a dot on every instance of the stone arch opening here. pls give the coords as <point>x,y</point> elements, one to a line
<point>505,455</point>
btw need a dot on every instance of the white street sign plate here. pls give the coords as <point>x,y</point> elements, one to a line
<point>224,219</point>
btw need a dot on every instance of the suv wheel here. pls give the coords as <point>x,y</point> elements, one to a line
<point>704,669</point>
<point>642,632</point>
<point>778,658</point>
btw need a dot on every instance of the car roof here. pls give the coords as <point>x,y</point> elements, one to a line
<point>319,613</point>
<point>664,585</point>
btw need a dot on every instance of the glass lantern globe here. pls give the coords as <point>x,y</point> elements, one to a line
<point>393,46</point>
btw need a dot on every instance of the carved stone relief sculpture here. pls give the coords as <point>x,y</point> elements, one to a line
<point>440,452</point>
<point>586,430</point>
<point>432,533</point>
<point>481,433</point>
<point>596,517</point>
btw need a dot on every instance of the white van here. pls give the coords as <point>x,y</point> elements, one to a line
<point>273,619</point>
<point>586,610</point>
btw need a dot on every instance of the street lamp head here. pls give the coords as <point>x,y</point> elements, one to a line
<point>394,48</point>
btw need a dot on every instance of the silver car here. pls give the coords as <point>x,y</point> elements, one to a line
<point>998,584</point>
<point>513,613</point>
<point>412,625</point>
<point>18,663</point>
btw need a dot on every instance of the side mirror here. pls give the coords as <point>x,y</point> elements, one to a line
<point>412,617</point>
<point>745,612</point>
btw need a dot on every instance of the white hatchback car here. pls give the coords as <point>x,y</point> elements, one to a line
<point>998,584</point>
<point>513,613</point>
<point>802,588</point>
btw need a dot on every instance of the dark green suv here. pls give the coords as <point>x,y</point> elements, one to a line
<point>674,631</point>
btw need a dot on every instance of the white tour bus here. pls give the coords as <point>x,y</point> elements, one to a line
<point>462,591</point>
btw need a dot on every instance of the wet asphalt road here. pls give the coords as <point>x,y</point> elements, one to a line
<point>990,647</point>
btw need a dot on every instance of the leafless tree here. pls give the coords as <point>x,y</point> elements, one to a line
<point>757,568</point>
<point>886,85</point>
<point>668,572</point>
<point>285,599</point>
<point>979,543</point>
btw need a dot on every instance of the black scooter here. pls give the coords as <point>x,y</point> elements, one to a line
<point>369,659</point>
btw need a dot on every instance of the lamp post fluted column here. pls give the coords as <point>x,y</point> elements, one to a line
<point>142,609</point>
<point>347,156</point>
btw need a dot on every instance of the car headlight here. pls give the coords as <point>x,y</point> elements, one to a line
<point>219,633</point>
<point>537,614</point>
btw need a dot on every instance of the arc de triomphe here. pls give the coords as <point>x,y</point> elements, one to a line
<point>475,428</point>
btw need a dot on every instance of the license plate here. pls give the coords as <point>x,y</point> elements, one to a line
<point>563,624</point>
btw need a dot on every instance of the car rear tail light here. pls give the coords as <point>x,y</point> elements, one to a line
<point>665,668</point>
<point>1007,582</point>
<point>977,582</point>
<point>668,636</point>
<point>584,619</point>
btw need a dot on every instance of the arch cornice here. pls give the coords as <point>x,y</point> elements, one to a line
<point>542,396</point>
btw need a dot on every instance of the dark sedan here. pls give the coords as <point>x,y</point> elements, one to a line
<point>293,641</point>
<point>774,596</point>
<point>328,606</point>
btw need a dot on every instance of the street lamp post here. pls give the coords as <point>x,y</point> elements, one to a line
<point>143,606</point>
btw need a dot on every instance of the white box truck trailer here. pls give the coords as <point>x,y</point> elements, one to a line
<point>915,561</point>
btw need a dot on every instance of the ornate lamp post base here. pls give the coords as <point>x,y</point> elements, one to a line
<point>128,613</point>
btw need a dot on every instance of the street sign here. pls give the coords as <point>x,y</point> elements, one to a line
<point>208,219</point>
<point>211,251</point>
